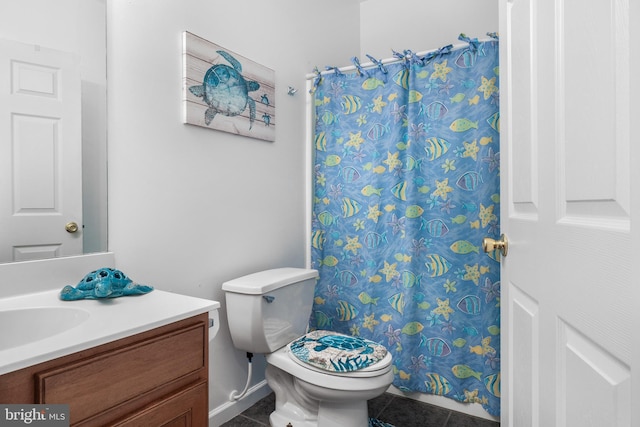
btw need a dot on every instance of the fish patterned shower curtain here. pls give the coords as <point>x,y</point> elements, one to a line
<point>406,185</point>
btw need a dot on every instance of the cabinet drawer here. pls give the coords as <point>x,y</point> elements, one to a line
<point>104,381</point>
<point>183,409</point>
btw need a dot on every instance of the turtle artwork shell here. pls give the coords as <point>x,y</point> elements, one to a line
<point>103,283</point>
<point>336,352</point>
<point>226,91</point>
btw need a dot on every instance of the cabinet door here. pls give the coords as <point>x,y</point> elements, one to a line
<point>183,409</point>
<point>108,381</point>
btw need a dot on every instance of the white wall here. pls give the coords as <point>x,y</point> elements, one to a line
<point>422,24</point>
<point>189,207</point>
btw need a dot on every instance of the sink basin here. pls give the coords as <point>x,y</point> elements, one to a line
<point>26,325</point>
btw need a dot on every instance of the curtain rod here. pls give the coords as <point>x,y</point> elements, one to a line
<point>391,60</point>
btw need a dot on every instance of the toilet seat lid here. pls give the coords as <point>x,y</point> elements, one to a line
<point>334,352</point>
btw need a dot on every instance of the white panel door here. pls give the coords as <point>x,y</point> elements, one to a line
<point>568,295</point>
<point>40,152</point>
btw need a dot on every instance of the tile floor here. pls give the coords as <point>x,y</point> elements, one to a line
<point>396,410</point>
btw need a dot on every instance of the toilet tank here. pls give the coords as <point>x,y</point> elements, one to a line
<point>269,309</point>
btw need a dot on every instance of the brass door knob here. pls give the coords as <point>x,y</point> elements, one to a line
<point>489,245</point>
<point>71,227</point>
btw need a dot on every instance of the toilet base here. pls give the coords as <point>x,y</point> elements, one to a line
<point>303,404</point>
<point>338,408</point>
<point>283,418</point>
<point>334,415</point>
<point>291,407</point>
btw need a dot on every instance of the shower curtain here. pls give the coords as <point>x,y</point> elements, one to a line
<point>406,185</point>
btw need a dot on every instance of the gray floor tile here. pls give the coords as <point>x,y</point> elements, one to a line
<point>262,409</point>
<point>242,421</point>
<point>396,410</point>
<point>377,405</point>
<point>404,412</point>
<point>461,420</point>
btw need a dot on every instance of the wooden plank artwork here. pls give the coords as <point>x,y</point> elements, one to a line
<point>225,91</point>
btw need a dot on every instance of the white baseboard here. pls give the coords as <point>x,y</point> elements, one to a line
<point>472,409</point>
<point>231,409</point>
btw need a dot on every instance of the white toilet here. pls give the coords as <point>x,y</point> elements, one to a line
<point>321,378</point>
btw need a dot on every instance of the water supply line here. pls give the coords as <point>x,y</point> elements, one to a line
<point>234,396</point>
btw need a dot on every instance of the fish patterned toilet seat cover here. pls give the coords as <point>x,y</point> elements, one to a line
<point>335,352</point>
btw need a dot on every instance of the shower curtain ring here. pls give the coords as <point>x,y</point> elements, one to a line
<point>336,70</point>
<point>356,63</point>
<point>378,63</point>
<point>316,80</point>
<point>402,57</point>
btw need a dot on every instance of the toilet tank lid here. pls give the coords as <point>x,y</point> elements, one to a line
<point>266,281</point>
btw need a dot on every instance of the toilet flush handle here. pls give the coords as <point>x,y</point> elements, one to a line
<point>268,298</point>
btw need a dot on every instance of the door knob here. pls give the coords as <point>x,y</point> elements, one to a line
<point>71,227</point>
<point>489,245</point>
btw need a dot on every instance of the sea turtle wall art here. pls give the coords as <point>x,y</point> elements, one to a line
<point>225,91</point>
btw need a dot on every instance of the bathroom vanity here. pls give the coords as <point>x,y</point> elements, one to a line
<point>152,371</point>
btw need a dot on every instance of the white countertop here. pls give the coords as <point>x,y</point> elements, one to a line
<point>109,320</point>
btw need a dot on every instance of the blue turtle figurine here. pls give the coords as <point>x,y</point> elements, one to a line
<point>226,91</point>
<point>103,283</point>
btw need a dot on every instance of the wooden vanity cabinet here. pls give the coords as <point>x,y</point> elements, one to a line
<point>155,378</point>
